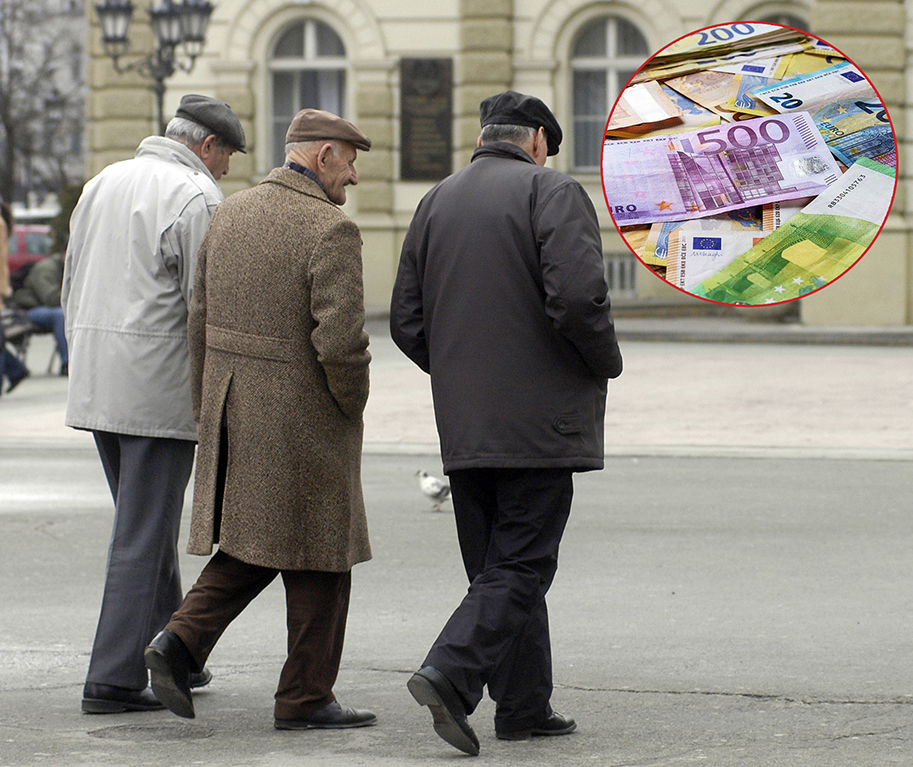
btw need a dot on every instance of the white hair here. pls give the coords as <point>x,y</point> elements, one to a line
<point>516,134</point>
<point>190,133</point>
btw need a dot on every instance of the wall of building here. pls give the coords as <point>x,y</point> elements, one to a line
<point>494,45</point>
<point>875,34</point>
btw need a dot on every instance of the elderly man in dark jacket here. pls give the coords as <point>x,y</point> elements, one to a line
<point>501,297</point>
<point>279,377</point>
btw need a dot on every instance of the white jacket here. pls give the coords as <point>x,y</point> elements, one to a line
<point>134,237</point>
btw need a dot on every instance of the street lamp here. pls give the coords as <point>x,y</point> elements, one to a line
<point>173,23</point>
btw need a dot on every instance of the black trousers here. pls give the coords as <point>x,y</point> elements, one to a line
<point>509,523</point>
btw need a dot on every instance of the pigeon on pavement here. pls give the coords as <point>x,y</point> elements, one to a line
<point>436,489</point>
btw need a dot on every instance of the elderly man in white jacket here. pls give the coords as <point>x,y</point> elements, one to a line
<point>128,274</point>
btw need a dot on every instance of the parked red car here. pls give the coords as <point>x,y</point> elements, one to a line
<point>29,243</point>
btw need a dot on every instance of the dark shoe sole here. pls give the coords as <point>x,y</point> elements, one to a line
<point>176,700</point>
<point>527,734</point>
<point>534,732</point>
<point>300,724</point>
<point>105,706</point>
<point>445,723</point>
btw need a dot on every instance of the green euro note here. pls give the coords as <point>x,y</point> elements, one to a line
<point>814,247</point>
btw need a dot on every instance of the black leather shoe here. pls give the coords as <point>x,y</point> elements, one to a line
<point>200,679</point>
<point>331,717</point>
<point>431,688</point>
<point>170,663</point>
<point>556,724</point>
<point>108,699</point>
<point>16,380</point>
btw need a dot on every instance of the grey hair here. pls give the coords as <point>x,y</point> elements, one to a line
<point>190,133</point>
<point>516,134</point>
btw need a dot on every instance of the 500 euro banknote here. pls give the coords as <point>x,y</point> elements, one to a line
<point>709,171</point>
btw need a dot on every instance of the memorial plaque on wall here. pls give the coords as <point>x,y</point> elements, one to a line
<point>426,110</point>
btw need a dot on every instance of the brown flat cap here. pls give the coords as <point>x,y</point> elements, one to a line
<point>317,125</point>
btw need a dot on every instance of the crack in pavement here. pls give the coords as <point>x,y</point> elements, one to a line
<point>905,701</point>
<point>858,735</point>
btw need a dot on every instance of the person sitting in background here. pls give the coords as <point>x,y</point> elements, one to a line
<point>11,367</point>
<point>39,297</point>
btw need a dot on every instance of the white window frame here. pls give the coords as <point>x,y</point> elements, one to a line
<point>612,64</point>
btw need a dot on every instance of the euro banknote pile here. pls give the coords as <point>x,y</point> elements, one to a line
<point>749,163</point>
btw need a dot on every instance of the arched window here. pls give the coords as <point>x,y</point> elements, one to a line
<point>604,56</point>
<point>308,69</point>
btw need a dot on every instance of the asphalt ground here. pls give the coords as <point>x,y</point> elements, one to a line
<point>734,587</point>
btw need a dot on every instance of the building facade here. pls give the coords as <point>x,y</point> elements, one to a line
<point>42,93</point>
<point>411,74</point>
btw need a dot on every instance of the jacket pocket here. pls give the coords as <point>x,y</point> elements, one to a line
<point>568,423</point>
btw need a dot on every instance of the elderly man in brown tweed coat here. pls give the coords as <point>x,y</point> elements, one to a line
<point>279,374</point>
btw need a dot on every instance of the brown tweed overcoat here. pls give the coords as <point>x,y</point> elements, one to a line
<point>278,345</point>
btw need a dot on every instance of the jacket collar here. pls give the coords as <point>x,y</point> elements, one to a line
<point>298,182</point>
<point>291,165</point>
<point>172,151</point>
<point>503,149</point>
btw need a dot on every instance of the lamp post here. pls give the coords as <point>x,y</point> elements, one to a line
<point>173,23</point>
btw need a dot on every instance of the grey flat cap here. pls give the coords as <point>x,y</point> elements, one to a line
<point>215,115</point>
<point>317,125</point>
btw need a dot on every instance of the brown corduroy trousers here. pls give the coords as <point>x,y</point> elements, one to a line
<point>317,605</point>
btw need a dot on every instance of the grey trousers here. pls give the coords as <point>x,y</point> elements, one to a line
<point>147,477</point>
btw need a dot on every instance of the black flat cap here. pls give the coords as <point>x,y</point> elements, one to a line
<point>215,115</point>
<point>512,108</point>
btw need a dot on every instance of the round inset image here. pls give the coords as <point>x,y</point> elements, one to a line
<point>749,164</point>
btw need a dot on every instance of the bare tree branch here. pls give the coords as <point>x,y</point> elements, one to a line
<point>41,95</point>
